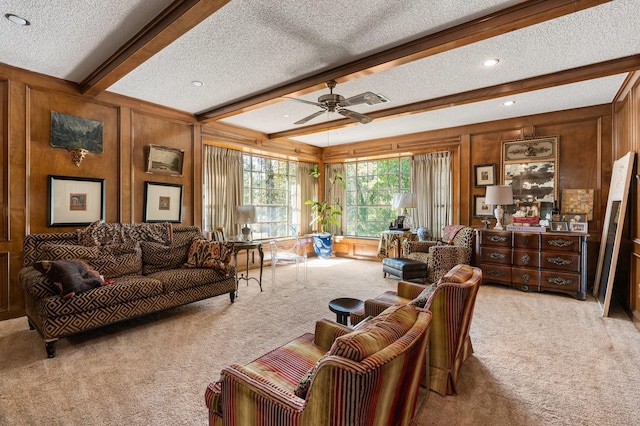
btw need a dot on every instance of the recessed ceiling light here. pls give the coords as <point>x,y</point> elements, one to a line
<point>286,116</point>
<point>491,62</point>
<point>509,103</point>
<point>17,19</point>
<point>197,83</point>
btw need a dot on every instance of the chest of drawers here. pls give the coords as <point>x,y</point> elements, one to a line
<point>532,261</point>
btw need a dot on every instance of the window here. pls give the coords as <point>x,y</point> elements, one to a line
<point>270,185</point>
<point>370,189</point>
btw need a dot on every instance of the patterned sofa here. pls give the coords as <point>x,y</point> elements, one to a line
<point>339,376</point>
<point>143,266</point>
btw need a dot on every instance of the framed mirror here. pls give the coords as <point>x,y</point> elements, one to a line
<point>530,166</point>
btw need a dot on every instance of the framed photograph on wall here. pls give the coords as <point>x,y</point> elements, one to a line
<point>162,202</point>
<point>480,209</point>
<point>164,160</point>
<point>75,201</point>
<point>530,166</point>
<point>485,175</point>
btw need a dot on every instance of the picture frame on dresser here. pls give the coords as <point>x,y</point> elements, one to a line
<point>578,227</point>
<point>485,175</point>
<point>162,202</point>
<point>75,201</point>
<point>559,227</point>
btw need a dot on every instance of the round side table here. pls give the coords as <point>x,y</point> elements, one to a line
<point>343,307</point>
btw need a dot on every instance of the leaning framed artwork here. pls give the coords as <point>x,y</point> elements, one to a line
<point>75,201</point>
<point>485,174</point>
<point>530,166</point>
<point>164,160</point>
<point>162,202</point>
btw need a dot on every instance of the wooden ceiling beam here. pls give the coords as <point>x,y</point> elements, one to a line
<point>168,26</point>
<point>588,72</point>
<point>510,19</point>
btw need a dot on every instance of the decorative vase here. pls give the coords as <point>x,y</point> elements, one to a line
<point>323,245</point>
<point>423,234</point>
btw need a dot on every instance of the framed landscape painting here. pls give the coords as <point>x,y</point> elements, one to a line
<point>164,160</point>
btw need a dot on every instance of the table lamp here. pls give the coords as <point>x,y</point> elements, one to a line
<point>245,215</point>
<point>404,201</point>
<point>499,195</point>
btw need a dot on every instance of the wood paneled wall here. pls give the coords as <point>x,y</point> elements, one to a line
<point>627,138</point>
<point>27,99</point>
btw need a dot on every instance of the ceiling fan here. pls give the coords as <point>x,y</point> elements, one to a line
<point>332,102</point>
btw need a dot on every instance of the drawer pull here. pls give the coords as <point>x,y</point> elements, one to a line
<point>497,256</point>
<point>525,258</point>
<point>495,273</point>
<point>560,243</point>
<point>525,240</point>
<point>559,281</point>
<point>559,261</point>
<point>497,238</point>
<point>526,278</point>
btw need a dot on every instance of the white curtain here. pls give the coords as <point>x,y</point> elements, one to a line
<point>431,182</point>
<point>307,190</point>
<point>336,191</point>
<point>223,188</point>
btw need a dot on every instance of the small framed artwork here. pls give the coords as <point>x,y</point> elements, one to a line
<point>485,174</point>
<point>578,226</point>
<point>164,160</point>
<point>559,226</point>
<point>162,202</point>
<point>575,217</point>
<point>75,201</point>
<point>480,209</point>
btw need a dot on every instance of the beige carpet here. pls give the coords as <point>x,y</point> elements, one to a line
<point>540,359</point>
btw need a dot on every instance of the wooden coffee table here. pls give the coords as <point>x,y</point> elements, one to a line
<point>343,307</point>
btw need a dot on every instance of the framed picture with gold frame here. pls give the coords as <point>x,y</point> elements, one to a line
<point>530,166</point>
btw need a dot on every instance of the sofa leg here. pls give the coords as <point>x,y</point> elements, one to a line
<point>31,326</point>
<point>232,296</point>
<point>50,346</point>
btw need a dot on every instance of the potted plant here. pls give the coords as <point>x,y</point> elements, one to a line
<point>324,213</point>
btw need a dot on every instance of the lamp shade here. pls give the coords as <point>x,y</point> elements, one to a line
<point>499,195</point>
<point>404,201</point>
<point>245,214</point>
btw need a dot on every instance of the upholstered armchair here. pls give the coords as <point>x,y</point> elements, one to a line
<point>339,376</point>
<point>451,301</point>
<point>441,256</point>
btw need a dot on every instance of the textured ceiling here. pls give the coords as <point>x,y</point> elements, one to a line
<point>248,47</point>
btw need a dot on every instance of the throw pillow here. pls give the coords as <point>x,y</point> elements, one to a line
<point>422,298</point>
<point>302,389</point>
<point>210,254</point>
<point>70,276</point>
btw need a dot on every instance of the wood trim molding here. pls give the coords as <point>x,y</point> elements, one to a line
<point>509,19</point>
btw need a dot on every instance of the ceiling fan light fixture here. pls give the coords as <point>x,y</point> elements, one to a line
<point>491,62</point>
<point>18,20</point>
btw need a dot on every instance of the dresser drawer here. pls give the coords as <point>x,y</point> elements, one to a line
<point>525,279</point>
<point>495,238</point>
<point>560,281</point>
<point>560,242</point>
<point>528,258</point>
<point>561,261</point>
<point>496,273</point>
<point>495,255</point>
<point>526,240</point>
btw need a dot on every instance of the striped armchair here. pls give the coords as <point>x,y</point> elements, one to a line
<point>339,376</point>
<point>451,301</point>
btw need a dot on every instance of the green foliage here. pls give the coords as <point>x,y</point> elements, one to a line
<point>324,213</point>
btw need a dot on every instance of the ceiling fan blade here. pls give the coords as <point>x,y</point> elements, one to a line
<point>304,102</point>
<point>364,119</point>
<point>368,98</point>
<point>311,117</point>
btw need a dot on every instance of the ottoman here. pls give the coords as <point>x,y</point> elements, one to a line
<point>405,269</point>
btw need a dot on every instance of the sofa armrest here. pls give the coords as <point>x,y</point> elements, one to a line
<point>409,290</point>
<point>327,331</point>
<point>374,307</point>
